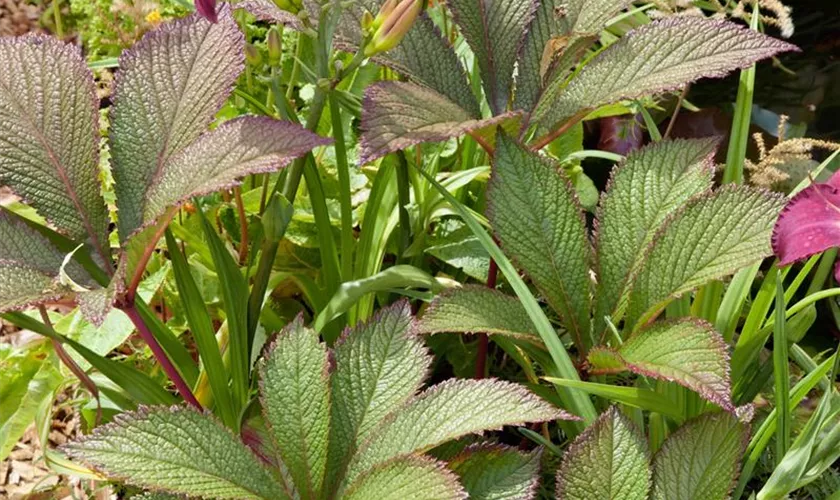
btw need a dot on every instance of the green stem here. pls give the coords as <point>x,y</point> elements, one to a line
<point>344,194</point>
<point>295,67</point>
<point>404,201</point>
<point>59,28</point>
<point>781,373</point>
<point>738,138</point>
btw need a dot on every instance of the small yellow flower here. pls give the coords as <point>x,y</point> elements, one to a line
<point>154,17</point>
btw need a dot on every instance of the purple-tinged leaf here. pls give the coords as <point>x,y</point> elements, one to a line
<point>590,16</point>
<point>168,89</point>
<point>494,472</point>
<point>495,30</point>
<point>207,8</point>
<point>809,224</point>
<point>529,81</point>
<point>657,57</point>
<point>609,460</point>
<point>49,154</point>
<point>30,267</point>
<point>413,476</point>
<point>427,58</point>
<point>218,159</point>
<point>396,115</point>
<point>689,352</point>
<point>267,10</point>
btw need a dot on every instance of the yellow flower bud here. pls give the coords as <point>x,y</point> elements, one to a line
<point>391,24</point>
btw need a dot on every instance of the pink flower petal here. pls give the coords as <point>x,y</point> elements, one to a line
<point>207,8</point>
<point>810,223</point>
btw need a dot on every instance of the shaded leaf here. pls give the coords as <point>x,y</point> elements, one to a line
<point>529,81</point>
<point>396,115</point>
<point>218,159</point>
<point>295,393</point>
<point>178,450</point>
<point>712,237</point>
<point>609,460</point>
<point>50,149</point>
<point>496,472</point>
<point>536,216</point>
<point>657,57</point>
<point>590,16</point>
<point>30,265</point>
<point>476,309</point>
<point>168,89</point>
<point>447,411</point>
<point>427,58</point>
<point>651,184</point>
<point>494,30</point>
<point>411,477</point>
<point>809,224</point>
<point>378,366</point>
<point>701,460</point>
<point>689,352</point>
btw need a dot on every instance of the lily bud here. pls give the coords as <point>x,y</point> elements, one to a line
<point>392,23</point>
<point>252,55</point>
<point>275,46</point>
<point>292,6</point>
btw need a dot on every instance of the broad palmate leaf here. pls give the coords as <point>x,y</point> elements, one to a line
<point>477,309</point>
<point>701,460</point>
<point>657,57</point>
<point>494,29</point>
<point>650,186</point>
<point>378,366</point>
<point>689,352</point>
<point>396,115</point>
<point>179,450</point>
<point>30,266</point>
<point>168,89</point>
<point>267,10</point>
<point>711,237</point>
<point>413,477</point>
<point>536,216</point>
<point>295,393</point>
<point>608,461</point>
<point>447,411</point>
<point>590,16</point>
<point>497,472</point>
<point>49,154</point>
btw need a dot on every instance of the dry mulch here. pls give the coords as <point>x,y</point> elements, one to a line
<point>18,17</point>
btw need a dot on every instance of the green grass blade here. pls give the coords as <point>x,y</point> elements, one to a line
<point>733,301</point>
<point>636,397</point>
<point>326,241</point>
<point>349,293</point>
<point>174,348</point>
<point>203,332</point>
<point>142,388</point>
<point>781,373</point>
<point>344,194</point>
<point>740,133</point>
<point>574,401</point>
<point>235,296</point>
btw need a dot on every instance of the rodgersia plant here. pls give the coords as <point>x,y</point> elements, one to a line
<point>340,423</point>
<point>167,92</point>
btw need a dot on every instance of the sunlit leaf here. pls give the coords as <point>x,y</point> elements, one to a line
<point>407,477</point>
<point>494,29</point>
<point>49,154</point>
<point>689,352</point>
<point>701,460</point>
<point>30,265</point>
<point>496,472</point>
<point>157,448</point>
<point>476,309</point>
<point>378,366</point>
<point>657,57</point>
<point>448,411</point>
<point>168,89</point>
<point>712,237</point>
<point>295,396</point>
<point>590,16</point>
<point>609,460</point>
<point>641,194</point>
<point>537,218</point>
<point>396,115</point>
